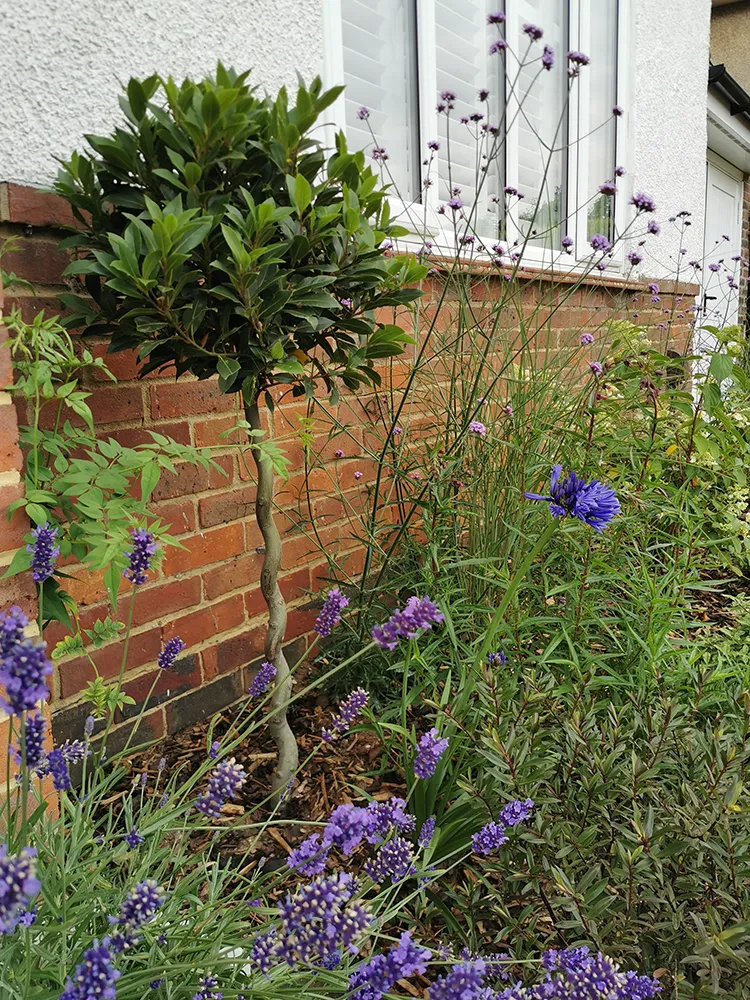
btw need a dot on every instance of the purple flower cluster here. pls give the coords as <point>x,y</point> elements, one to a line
<point>57,768</point>
<point>465,981</point>
<point>515,812</point>
<point>94,978</point>
<point>643,202</point>
<point>33,744</point>
<point>224,782</point>
<point>494,833</point>
<point>133,838</point>
<point>634,257</point>
<point>418,615</point>
<point>23,668</point>
<point>587,339</point>
<point>18,886</point>
<point>533,31</point>
<point>43,552</point>
<point>381,973</point>
<point>600,243</point>
<point>138,908</point>
<point>578,58</point>
<point>208,990</point>
<point>576,972</point>
<point>259,684</point>
<point>169,652</point>
<point>12,625</point>
<point>593,503</point>
<point>478,428</point>
<point>548,57</point>
<point>426,833</point>
<point>394,860</point>
<point>596,367</point>
<point>330,614</point>
<point>316,924</point>
<point>348,711</point>
<point>431,748</point>
<point>139,558</point>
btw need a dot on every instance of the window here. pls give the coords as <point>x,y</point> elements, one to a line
<point>556,145</point>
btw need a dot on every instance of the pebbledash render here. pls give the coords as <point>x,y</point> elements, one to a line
<point>62,74</point>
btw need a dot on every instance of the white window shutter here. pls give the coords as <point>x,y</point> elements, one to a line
<point>380,73</point>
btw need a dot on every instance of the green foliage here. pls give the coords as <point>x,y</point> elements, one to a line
<point>216,236</point>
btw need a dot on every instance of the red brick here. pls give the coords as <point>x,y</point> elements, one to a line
<point>182,677</point>
<point>6,365</point>
<point>123,365</point>
<point>75,674</point>
<point>115,404</point>
<point>239,650</point>
<point>190,479</point>
<point>208,432</point>
<point>241,572</point>
<point>204,549</point>
<point>206,623</point>
<point>165,599</point>
<point>178,514</point>
<point>180,398</point>
<point>296,584</point>
<point>37,208</point>
<point>11,532</point>
<point>232,505</point>
<point>10,455</point>
<point>300,621</point>
<point>85,586</point>
<point>129,437</point>
<point>255,603</point>
<point>37,261</point>
<point>20,590</point>
<point>210,698</point>
<point>29,305</point>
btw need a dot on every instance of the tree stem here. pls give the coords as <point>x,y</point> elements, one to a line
<point>288,759</point>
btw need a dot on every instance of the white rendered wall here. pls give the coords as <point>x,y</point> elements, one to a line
<point>667,58</point>
<point>63,62</point>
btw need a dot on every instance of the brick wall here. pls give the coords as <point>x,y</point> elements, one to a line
<point>208,592</point>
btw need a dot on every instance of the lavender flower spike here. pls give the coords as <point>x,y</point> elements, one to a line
<point>139,558</point>
<point>330,614</point>
<point>419,614</point>
<point>347,713</point>
<point>431,748</point>
<point>23,671</point>
<point>18,886</point>
<point>593,503</point>
<point>169,652</point>
<point>264,676</point>
<point>43,552</point>
<point>94,978</point>
<point>33,744</point>
<point>224,782</point>
<point>515,812</point>
<point>12,625</point>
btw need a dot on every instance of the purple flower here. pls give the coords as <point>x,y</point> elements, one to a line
<point>35,726</point>
<point>358,475</point>
<point>23,671</point>
<point>498,659</point>
<point>548,57</point>
<point>330,614</point>
<point>394,860</point>
<point>426,833</point>
<point>515,812</point>
<point>483,94</point>
<point>497,18</point>
<point>617,111</point>
<point>339,453</point>
<point>586,339</point>
<point>643,202</point>
<point>489,838</point>
<point>133,839</point>
<point>653,227</point>
<point>208,989</point>
<point>213,750</point>
<point>619,171</point>
<point>508,410</point>
<point>567,243</point>
<point>478,428</point>
<point>418,614</point>
<point>170,651</point>
<point>609,188</point>
<point>455,203</point>
<point>43,552</point>
<point>576,972</point>
<point>310,857</point>
<point>634,257</point>
<point>348,711</point>
<point>139,558</point>
<point>18,886</point>
<point>465,981</point>
<point>265,674</point>
<point>499,45</point>
<point>714,267</point>
<point>379,154</point>
<point>653,288</point>
<point>596,368</point>
<point>534,32</point>
<point>433,144</point>
<point>593,503</point>
<point>12,625</point>
<point>431,748</point>
<point>363,113</point>
<point>224,782</point>
<point>381,972</point>
<point>138,908</point>
<point>600,242</point>
<point>94,978</point>
<point>578,58</point>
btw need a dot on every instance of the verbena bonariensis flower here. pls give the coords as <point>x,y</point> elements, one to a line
<point>465,981</point>
<point>330,614</point>
<point>23,671</point>
<point>139,558</point>
<point>430,750</point>
<point>133,838</point>
<point>138,908</point>
<point>489,838</point>
<point>33,743</point>
<point>381,973</point>
<point>18,886</point>
<point>419,614</point>
<point>643,202</point>
<point>579,58</point>
<point>478,428</point>
<point>634,257</point>
<point>586,339</point>
<point>318,922</point>
<point>567,243</point>
<point>259,684</point>
<point>653,227</point>
<point>533,31</point>
<point>596,368</point>
<point>12,625</point>
<point>515,812</point>
<point>348,711</point>
<point>169,652</point>
<point>43,552</point>
<point>394,860</point>
<point>593,503</point>
<point>94,978</point>
<point>224,782</point>
<point>600,243</point>
<point>548,57</point>
<point>426,833</point>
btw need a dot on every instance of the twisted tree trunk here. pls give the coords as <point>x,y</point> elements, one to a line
<point>281,732</point>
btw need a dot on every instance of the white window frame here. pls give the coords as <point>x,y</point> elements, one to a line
<point>413,216</point>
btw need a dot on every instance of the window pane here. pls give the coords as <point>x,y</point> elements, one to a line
<point>601,79</point>
<point>464,67</point>
<point>542,125</point>
<point>380,73</point>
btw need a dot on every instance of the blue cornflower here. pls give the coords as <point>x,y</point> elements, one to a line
<point>348,711</point>
<point>23,671</point>
<point>431,748</point>
<point>43,552</point>
<point>264,676</point>
<point>139,558</point>
<point>94,978</point>
<point>18,886</point>
<point>330,614</point>
<point>133,839</point>
<point>169,652</point>
<point>593,503</point>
